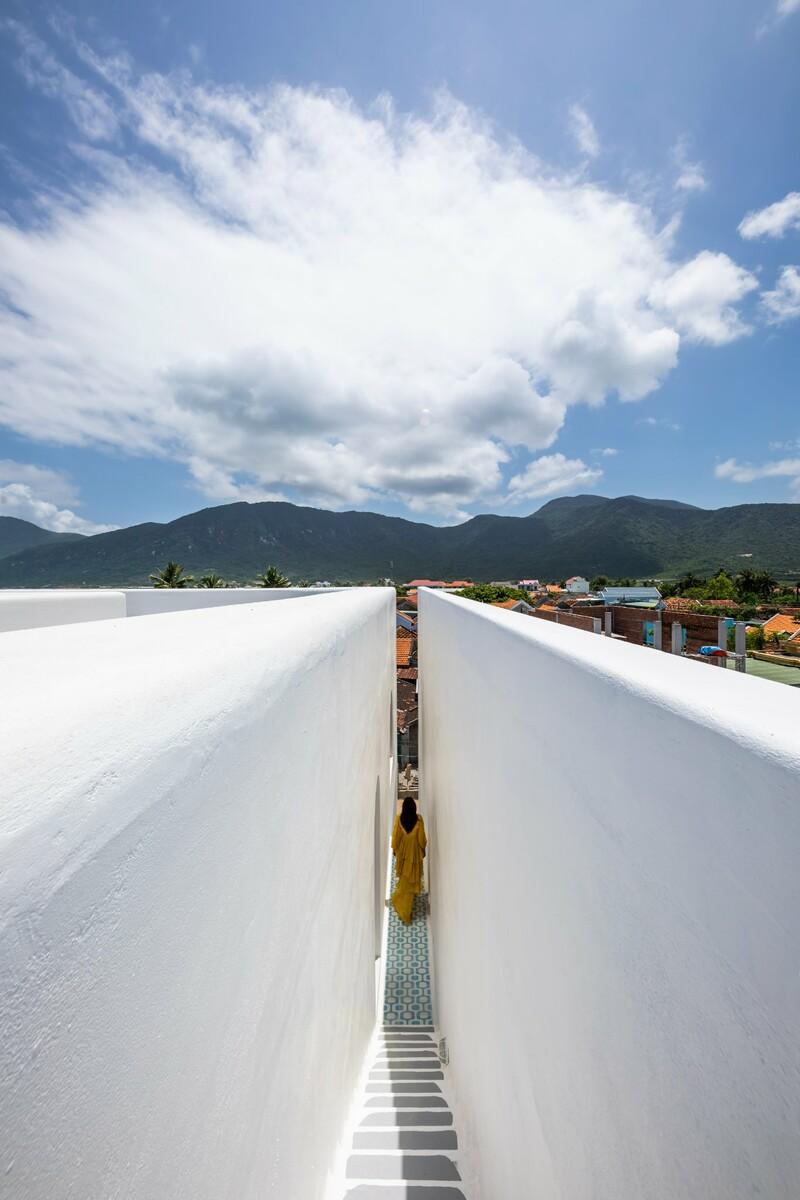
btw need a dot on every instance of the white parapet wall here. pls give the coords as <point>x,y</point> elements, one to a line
<point>34,609</point>
<point>615,889</point>
<point>143,602</point>
<point>189,896</point>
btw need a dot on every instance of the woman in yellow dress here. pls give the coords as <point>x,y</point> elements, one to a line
<point>408,842</point>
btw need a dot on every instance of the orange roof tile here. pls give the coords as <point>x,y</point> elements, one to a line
<point>407,672</point>
<point>510,603</point>
<point>405,652</point>
<point>781,623</point>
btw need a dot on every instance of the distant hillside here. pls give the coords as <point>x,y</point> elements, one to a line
<point>17,535</point>
<point>588,535</point>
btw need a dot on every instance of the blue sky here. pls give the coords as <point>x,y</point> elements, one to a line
<point>431,259</point>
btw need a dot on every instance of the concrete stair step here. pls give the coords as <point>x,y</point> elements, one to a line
<point>421,1085</point>
<point>405,1139</point>
<point>377,1075</point>
<point>408,1029</point>
<point>408,1053</point>
<point>412,1118</point>
<point>425,1167</point>
<point>406,1102</point>
<point>377,1191</point>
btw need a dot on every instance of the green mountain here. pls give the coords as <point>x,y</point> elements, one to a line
<point>588,535</point>
<point>17,535</point>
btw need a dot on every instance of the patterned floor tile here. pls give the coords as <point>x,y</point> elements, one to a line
<point>407,989</point>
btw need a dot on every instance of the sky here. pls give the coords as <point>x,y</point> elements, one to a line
<point>430,259</point>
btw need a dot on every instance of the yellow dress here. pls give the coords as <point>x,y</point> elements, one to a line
<point>409,849</point>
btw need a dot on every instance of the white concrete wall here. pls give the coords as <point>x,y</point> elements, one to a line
<point>187,896</point>
<point>21,609</point>
<point>615,850</point>
<point>34,608</point>
<point>141,602</point>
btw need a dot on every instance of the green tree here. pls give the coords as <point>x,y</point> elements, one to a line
<point>721,587</point>
<point>211,580</point>
<point>598,583</point>
<point>172,576</point>
<point>272,578</point>
<point>688,582</point>
<point>489,593</point>
<point>765,584</point>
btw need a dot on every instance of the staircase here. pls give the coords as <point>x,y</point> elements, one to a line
<point>404,1144</point>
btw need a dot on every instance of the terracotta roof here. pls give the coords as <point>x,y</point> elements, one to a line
<point>404,719</point>
<point>405,652</point>
<point>781,623</point>
<point>511,603</point>
<point>407,672</point>
<point>460,583</point>
<point>680,604</point>
<point>406,634</point>
<point>414,583</point>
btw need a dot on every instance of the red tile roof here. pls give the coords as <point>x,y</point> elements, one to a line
<point>405,652</point>
<point>510,603</point>
<point>407,672</point>
<point>680,604</point>
<point>460,583</point>
<point>415,583</point>
<point>781,623</point>
<point>409,634</point>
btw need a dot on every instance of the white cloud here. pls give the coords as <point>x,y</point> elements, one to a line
<point>606,451</point>
<point>34,493</point>
<point>583,131</point>
<point>550,474</point>
<point>783,304</point>
<point>700,297</point>
<point>691,175</point>
<point>297,297</point>
<point>660,423</point>
<point>88,108</point>
<point>53,485</point>
<point>787,7</point>
<point>773,221</point>
<point>788,468</point>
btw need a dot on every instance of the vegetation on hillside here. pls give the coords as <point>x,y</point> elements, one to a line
<point>626,538</point>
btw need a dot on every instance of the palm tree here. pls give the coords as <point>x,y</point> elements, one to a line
<point>171,576</point>
<point>272,578</point>
<point>212,579</point>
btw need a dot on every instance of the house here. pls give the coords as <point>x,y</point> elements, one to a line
<point>638,597</point>
<point>406,651</point>
<point>529,585</point>
<point>513,605</point>
<point>431,583</point>
<point>405,623</point>
<point>781,623</point>
<point>407,737</point>
<point>577,585</point>
<point>458,584</point>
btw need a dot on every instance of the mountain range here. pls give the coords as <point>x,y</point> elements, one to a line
<point>587,535</point>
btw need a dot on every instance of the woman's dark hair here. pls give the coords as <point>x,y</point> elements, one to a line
<point>408,817</point>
